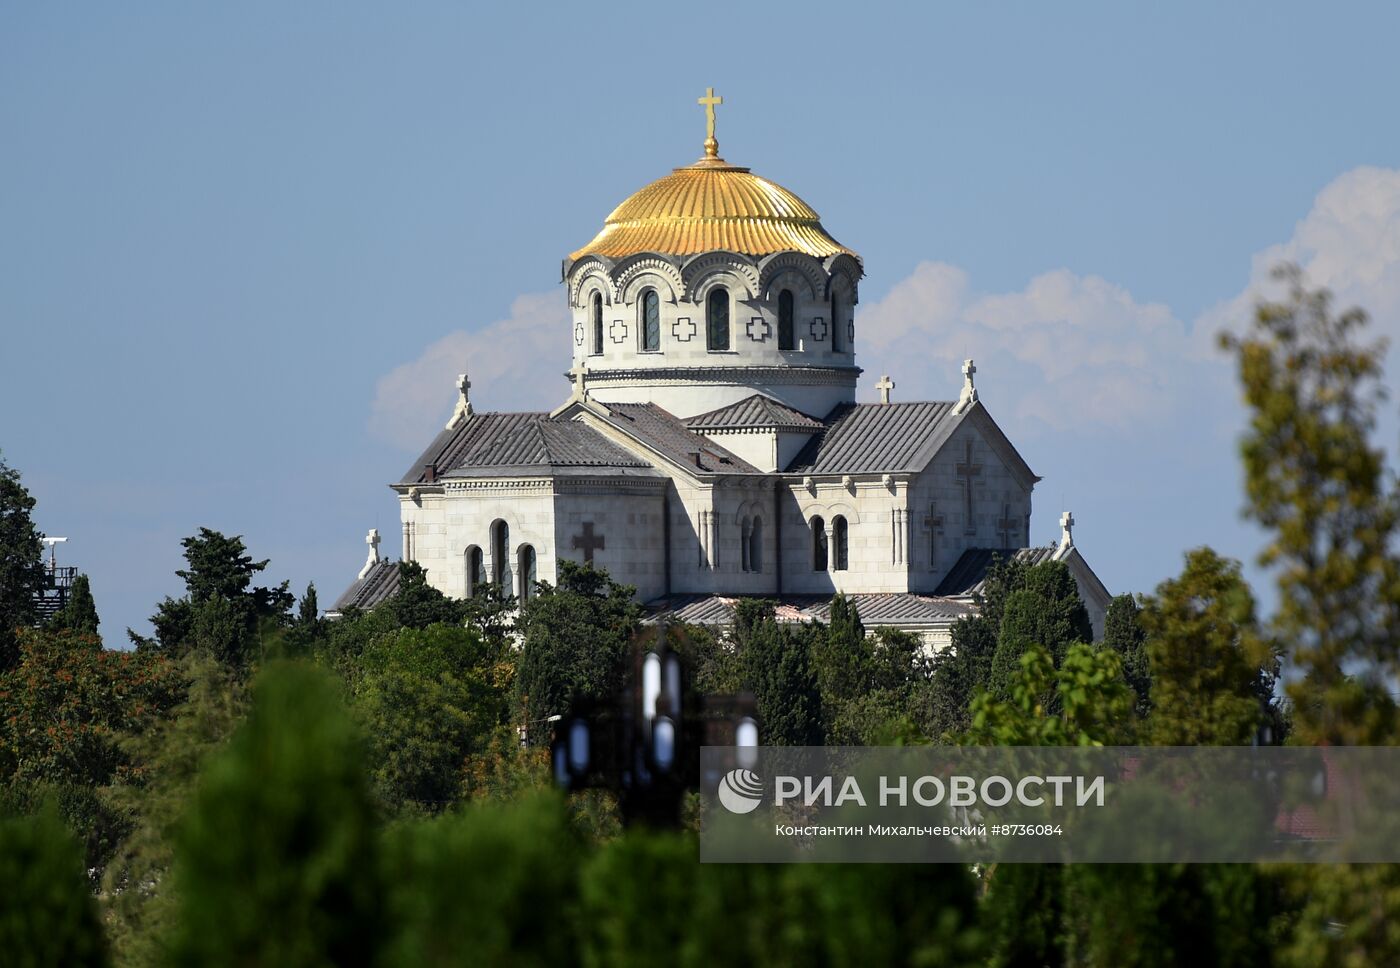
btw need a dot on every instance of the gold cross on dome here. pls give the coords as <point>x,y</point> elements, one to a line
<point>709,101</point>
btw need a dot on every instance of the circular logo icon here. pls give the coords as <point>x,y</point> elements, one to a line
<point>740,791</point>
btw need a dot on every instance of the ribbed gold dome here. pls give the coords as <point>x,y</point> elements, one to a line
<point>712,205</point>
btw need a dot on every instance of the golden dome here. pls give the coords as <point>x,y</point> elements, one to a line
<point>712,205</point>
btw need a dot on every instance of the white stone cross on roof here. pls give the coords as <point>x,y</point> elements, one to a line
<point>885,386</point>
<point>578,373</point>
<point>1067,530</point>
<point>464,403</point>
<point>969,391</point>
<point>371,539</point>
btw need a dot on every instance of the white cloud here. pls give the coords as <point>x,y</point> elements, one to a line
<point>1067,350</point>
<point>514,364</point>
<point>1349,243</point>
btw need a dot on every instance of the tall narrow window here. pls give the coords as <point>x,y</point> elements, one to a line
<point>717,319</point>
<point>476,571</point>
<point>818,544</point>
<point>785,341</point>
<point>837,323</point>
<point>756,545</point>
<point>838,540</point>
<point>597,325</point>
<point>651,321</point>
<point>744,546</point>
<point>500,542</point>
<point>527,572</point>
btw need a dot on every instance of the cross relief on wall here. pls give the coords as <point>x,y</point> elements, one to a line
<point>758,328</point>
<point>683,329</point>
<point>618,330</point>
<point>589,542</point>
<point>818,328</point>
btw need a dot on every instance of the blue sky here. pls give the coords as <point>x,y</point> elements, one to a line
<point>243,248</point>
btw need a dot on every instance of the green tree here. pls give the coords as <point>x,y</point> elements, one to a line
<point>1084,702</point>
<point>47,913</point>
<point>155,795</point>
<point>1046,610</point>
<point>1319,486</point>
<point>308,611</point>
<point>221,610</point>
<point>79,613</point>
<point>22,572</point>
<point>494,884</point>
<point>1213,672</point>
<point>428,698</point>
<point>778,667</point>
<point>1124,634</point>
<point>576,637</point>
<point>275,858</point>
<point>417,604</point>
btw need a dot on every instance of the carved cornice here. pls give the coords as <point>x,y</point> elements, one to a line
<point>742,375</point>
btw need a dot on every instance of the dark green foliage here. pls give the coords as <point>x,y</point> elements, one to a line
<point>22,572</point>
<point>778,667</point>
<point>1044,610</point>
<point>958,672</point>
<point>275,858</point>
<point>79,613</point>
<point>576,640</point>
<point>1023,913</point>
<point>427,698</point>
<point>308,611</point>
<point>491,885</point>
<point>1164,915</point>
<point>1213,671</point>
<point>964,668</point>
<point>418,604</point>
<point>1124,634</point>
<point>47,913</point>
<point>221,610</point>
<point>646,901</point>
<point>712,660</point>
<point>841,656</point>
<point>155,797</point>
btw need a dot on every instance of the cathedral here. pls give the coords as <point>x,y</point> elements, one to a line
<point>711,447</point>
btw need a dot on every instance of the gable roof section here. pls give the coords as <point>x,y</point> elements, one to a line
<point>519,441</point>
<point>754,413</point>
<point>872,438</point>
<point>377,587</point>
<point>667,435</point>
<point>968,576</point>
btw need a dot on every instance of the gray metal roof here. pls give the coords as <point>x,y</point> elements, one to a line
<point>754,412</point>
<point>377,587</point>
<point>968,576</point>
<point>518,440</point>
<point>670,437</point>
<point>872,438</point>
<point>891,608</point>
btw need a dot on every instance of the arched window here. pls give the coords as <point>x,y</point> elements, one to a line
<point>476,571</point>
<point>744,546</point>
<point>818,544</point>
<point>527,572</point>
<point>756,545</point>
<point>717,319</point>
<point>500,542</point>
<point>837,323</point>
<point>838,541</point>
<point>597,324</point>
<point>651,321</point>
<point>785,340</point>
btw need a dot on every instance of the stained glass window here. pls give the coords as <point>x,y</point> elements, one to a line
<point>717,319</point>
<point>785,340</point>
<point>651,320</point>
